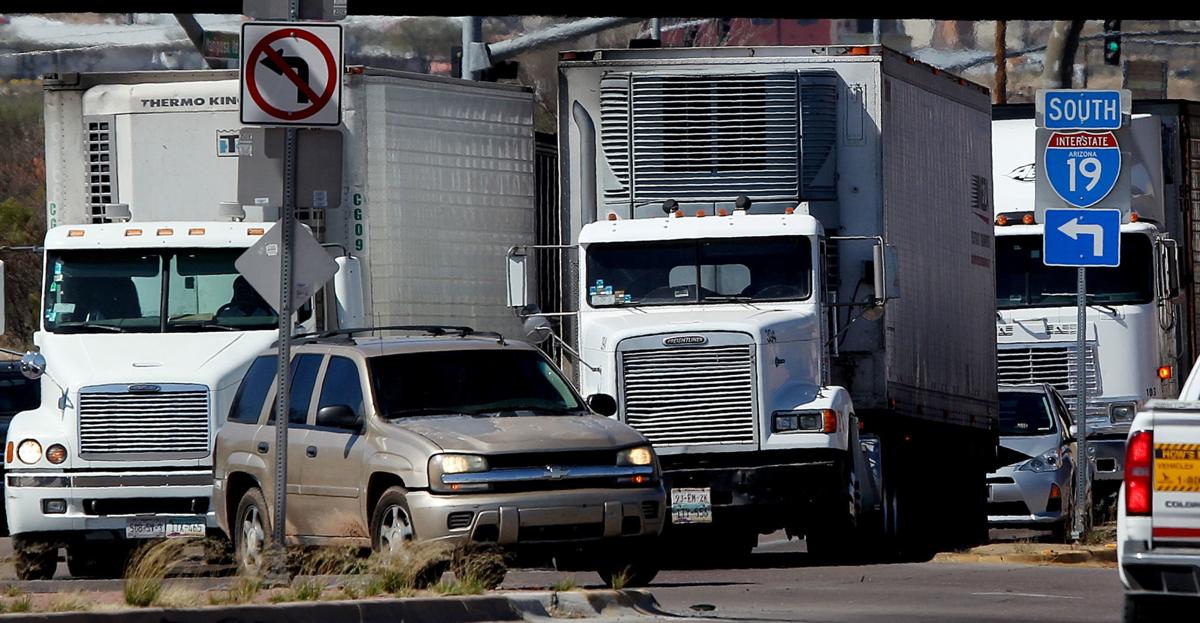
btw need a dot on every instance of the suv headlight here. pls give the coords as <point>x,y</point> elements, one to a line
<point>29,451</point>
<point>447,464</point>
<point>641,455</point>
<point>1049,461</point>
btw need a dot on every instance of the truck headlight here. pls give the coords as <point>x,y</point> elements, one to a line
<point>447,464</point>
<point>641,455</point>
<point>1049,461</point>
<point>29,451</point>
<point>1122,411</point>
<point>56,453</point>
<point>823,421</point>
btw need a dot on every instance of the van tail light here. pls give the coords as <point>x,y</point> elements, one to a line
<point>1138,473</point>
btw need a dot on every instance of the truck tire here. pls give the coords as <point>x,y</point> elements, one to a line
<point>35,559</point>
<point>251,533</point>
<point>98,560</point>
<point>831,531</point>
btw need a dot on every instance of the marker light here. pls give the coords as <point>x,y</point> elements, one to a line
<point>166,231</point>
<point>8,453</point>
<point>133,232</point>
<point>255,231</point>
<point>722,212</point>
<point>1164,373</point>
<point>1027,219</point>
<point>678,213</point>
<point>1002,220</point>
<point>1133,217</point>
<point>612,216</point>
<point>75,233</point>
<point>789,210</point>
<point>700,213</point>
<point>196,231</point>
<point>859,50</point>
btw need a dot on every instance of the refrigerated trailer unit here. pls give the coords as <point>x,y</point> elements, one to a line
<point>861,391</point>
<point>435,179</point>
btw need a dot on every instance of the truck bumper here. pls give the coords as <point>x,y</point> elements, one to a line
<point>1159,572</point>
<point>104,508</point>
<point>528,519</point>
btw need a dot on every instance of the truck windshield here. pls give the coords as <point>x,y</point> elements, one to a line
<point>1023,280</point>
<point>1025,413</point>
<point>717,270</point>
<point>472,382</point>
<point>117,291</point>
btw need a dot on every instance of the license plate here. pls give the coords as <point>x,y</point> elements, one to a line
<point>165,527</point>
<point>1176,467</point>
<point>691,505</point>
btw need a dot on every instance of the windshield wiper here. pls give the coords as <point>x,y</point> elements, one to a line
<point>76,327</point>
<point>205,324</point>
<point>425,411</point>
<point>729,298</point>
<point>1107,308</point>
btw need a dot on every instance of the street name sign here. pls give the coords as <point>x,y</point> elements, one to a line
<point>1082,238</point>
<point>1082,109</point>
<point>291,74</point>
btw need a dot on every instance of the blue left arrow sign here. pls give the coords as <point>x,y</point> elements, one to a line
<point>1082,238</point>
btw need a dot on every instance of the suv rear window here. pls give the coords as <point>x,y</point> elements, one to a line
<point>499,382</point>
<point>1025,413</point>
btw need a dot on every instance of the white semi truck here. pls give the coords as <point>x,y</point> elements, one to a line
<point>146,330</point>
<point>778,260</point>
<point>1140,316</point>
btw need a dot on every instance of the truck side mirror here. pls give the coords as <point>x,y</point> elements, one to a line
<point>348,292</point>
<point>537,328</point>
<point>33,365</point>
<point>1169,260</point>
<point>518,279</point>
<point>602,404</point>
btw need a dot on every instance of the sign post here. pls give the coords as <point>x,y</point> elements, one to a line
<point>1079,159</point>
<point>290,76</point>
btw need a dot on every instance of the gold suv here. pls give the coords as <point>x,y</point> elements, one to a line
<point>441,433</point>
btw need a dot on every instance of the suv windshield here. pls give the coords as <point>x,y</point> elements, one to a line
<point>725,269</point>
<point>469,381</point>
<point>1025,413</point>
<point>128,290</point>
<point>1024,280</point>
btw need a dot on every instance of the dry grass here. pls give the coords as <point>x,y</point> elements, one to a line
<point>468,586</point>
<point>564,585</point>
<point>68,602</point>
<point>143,584</point>
<point>12,590</point>
<point>482,565</point>
<point>22,604</point>
<point>413,567</point>
<point>620,579</point>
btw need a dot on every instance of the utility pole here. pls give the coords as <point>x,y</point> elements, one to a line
<point>1060,54</point>
<point>1000,87</point>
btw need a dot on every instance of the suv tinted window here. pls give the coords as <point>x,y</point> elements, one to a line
<point>304,377</point>
<point>248,402</point>
<point>341,387</point>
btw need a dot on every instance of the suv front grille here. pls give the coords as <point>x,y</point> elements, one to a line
<point>116,424</point>
<point>680,396</point>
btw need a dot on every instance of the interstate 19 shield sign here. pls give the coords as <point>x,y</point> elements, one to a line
<point>1082,167</point>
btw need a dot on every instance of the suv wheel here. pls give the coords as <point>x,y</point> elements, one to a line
<point>34,559</point>
<point>251,532</point>
<point>391,523</point>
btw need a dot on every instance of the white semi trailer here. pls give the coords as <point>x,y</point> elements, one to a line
<point>145,331</point>
<point>1141,316</point>
<point>725,214</point>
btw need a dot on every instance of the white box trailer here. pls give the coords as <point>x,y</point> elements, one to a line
<point>872,145</point>
<point>434,182</point>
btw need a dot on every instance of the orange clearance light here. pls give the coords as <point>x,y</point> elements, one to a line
<point>255,231</point>
<point>678,213</point>
<point>1133,217</point>
<point>700,213</point>
<point>1027,219</point>
<point>166,231</point>
<point>1002,220</point>
<point>639,479</point>
<point>828,421</point>
<point>789,210</point>
<point>133,232</point>
<point>8,453</point>
<point>1055,492</point>
<point>722,212</point>
<point>1164,373</point>
<point>196,231</point>
<point>75,233</point>
<point>859,50</point>
<point>612,216</point>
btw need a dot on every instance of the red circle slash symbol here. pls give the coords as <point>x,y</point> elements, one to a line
<point>315,102</point>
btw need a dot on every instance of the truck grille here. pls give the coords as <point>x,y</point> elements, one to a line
<point>116,424</point>
<point>679,396</point>
<point>1046,364</point>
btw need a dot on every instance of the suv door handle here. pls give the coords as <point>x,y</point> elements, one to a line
<point>311,451</point>
<point>263,447</point>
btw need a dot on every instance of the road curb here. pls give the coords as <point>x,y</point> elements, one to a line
<point>1104,556</point>
<point>468,609</point>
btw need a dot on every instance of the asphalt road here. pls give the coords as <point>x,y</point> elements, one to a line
<point>781,583</point>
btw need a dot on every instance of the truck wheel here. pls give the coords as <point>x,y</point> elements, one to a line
<point>34,559</point>
<point>98,560</point>
<point>830,534</point>
<point>251,533</point>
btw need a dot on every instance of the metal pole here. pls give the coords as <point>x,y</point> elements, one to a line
<point>1081,456</point>
<point>283,383</point>
<point>1000,90</point>
<point>472,32</point>
<point>656,29</point>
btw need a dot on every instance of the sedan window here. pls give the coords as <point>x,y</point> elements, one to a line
<point>1025,413</point>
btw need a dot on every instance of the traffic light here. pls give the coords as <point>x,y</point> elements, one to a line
<point>1112,42</point>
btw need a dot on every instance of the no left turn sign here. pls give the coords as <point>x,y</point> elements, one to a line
<point>291,74</point>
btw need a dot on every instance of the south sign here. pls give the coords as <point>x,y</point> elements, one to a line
<point>1082,167</point>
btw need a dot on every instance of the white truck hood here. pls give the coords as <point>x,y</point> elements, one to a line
<point>604,330</point>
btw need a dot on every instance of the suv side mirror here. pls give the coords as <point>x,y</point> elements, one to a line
<point>339,416</point>
<point>602,404</point>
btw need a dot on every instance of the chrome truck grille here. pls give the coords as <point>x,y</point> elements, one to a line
<point>143,421</point>
<point>690,395</point>
<point>1046,364</point>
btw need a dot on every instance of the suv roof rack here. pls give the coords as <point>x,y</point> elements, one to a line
<point>434,330</point>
